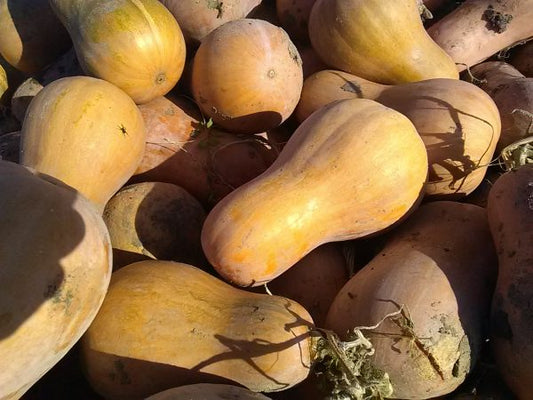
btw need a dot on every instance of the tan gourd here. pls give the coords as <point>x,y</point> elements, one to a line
<point>208,391</point>
<point>55,267</point>
<point>165,324</point>
<point>86,132</point>
<point>439,267</point>
<point>383,41</point>
<point>247,76</point>
<point>31,36</point>
<point>510,211</point>
<point>199,18</point>
<point>478,29</point>
<point>352,168</point>
<point>135,44</point>
<point>3,81</point>
<point>458,122</point>
<point>513,94</point>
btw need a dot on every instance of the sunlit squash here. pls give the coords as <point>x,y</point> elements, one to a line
<point>165,324</point>
<point>458,122</point>
<point>55,267</point>
<point>135,44</point>
<point>354,167</point>
<point>86,132</point>
<point>247,76</point>
<point>380,40</point>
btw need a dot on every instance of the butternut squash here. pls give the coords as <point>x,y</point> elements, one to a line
<point>512,92</point>
<point>434,277</point>
<point>458,122</point>
<point>510,211</point>
<point>247,76</point>
<point>199,18</point>
<point>165,324</point>
<point>31,36</point>
<point>382,41</point>
<point>478,29</point>
<point>352,168</point>
<point>55,267</point>
<point>208,391</point>
<point>86,132</point>
<point>135,44</point>
<point>154,220</point>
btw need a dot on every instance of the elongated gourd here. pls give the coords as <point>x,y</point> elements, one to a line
<point>380,40</point>
<point>510,211</point>
<point>439,267</point>
<point>86,132</point>
<point>458,122</point>
<point>166,324</point>
<point>135,44</point>
<point>352,168</point>
<point>55,267</point>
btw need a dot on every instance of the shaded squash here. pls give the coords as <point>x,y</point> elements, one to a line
<point>135,44</point>
<point>522,59</point>
<point>86,132</point>
<point>383,41</point>
<point>439,267</point>
<point>165,324</point>
<point>208,391</point>
<point>458,122</point>
<point>31,35</point>
<point>55,267</point>
<point>510,211</point>
<point>354,167</point>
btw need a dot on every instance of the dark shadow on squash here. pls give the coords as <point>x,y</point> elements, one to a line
<point>10,147</point>
<point>169,222</point>
<point>38,228</point>
<point>43,36</point>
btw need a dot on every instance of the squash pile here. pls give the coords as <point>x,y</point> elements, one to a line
<point>290,199</point>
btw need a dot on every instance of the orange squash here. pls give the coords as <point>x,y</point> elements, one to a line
<point>478,29</point>
<point>352,168</point>
<point>199,18</point>
<point>260,90</point>
<point>31,36</point>
<point>208,391</point>
<point>458,122</point>
<point>55,267</point>
<point>135,44</point>
<point>86,132</point>
<point>165,324</point>
<point>383,41</point>
<point>439,267</point>
<point>510,211</point>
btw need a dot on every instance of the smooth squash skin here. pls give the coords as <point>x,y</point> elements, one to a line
<point>135,44</point>
<point>478,29</point>
<point>380,40</point>
<point>352,168</point>
<point>247,76</point>
<point>86,132</point>
<point>208,391</point>
<point>165,324</point>
<point>458,122</point>
<point>440,265</point>
<point>198,18</point>
<point>31,35</point>
<point>3,81</point>
<point>55,267</point>
<point>513,94</point>
<point>510,211</point>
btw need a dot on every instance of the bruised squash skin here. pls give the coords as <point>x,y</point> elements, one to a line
<point>352,168</point>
